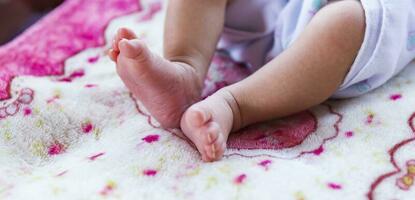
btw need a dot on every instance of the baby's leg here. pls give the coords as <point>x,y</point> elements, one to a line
<point>168,86</point>
<point>306,74</point>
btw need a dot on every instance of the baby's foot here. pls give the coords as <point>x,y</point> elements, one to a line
<point>208,124</point>
<point>166,88</point>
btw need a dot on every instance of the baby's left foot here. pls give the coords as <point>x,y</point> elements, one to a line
<point>165,88</point>
<point>208,124</point>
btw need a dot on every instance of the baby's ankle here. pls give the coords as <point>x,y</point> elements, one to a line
<point>230,99</point>
<point>191,70</point>
<point>197,61</point>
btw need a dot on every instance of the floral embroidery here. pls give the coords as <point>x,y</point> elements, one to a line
<point>240,179</point>
<point>407,181</point>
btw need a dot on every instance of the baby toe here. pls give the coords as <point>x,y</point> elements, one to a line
<point>125,33</point>
<point>136,51</point>
<point>113,55</point>
<point>114,45</point>
<point>212,132</point>
<point>210,151</point>
<point>197,117</point>
<point>122,33</point>
<point>221,150</point>
<point>215,150</point>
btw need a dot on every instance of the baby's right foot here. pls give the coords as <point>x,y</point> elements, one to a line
<point>208,124</point>
<point>165,88</point>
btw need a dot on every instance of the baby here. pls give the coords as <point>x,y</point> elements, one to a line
<point>302,52</point>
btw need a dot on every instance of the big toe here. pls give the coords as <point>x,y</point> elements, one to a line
<point>134,49</point>
<point>122,33</point>
<point>126,33</point>
<point>196,117</point>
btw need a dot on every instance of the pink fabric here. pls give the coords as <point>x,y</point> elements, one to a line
<point>285,133</point>
<point>42,49</point>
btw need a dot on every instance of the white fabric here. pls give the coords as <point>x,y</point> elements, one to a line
<point>267,27</point>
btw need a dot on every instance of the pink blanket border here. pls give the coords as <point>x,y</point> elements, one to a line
<point>72,27</point>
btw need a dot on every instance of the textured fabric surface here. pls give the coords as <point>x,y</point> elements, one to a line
<point>70,129</point>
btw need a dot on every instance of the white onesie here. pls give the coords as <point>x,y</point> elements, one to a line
<point>256,31</point>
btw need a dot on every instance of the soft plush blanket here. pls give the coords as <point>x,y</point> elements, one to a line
<point>69,129</point>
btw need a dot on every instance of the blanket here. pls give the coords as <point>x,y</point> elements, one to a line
<point>69,128</point>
